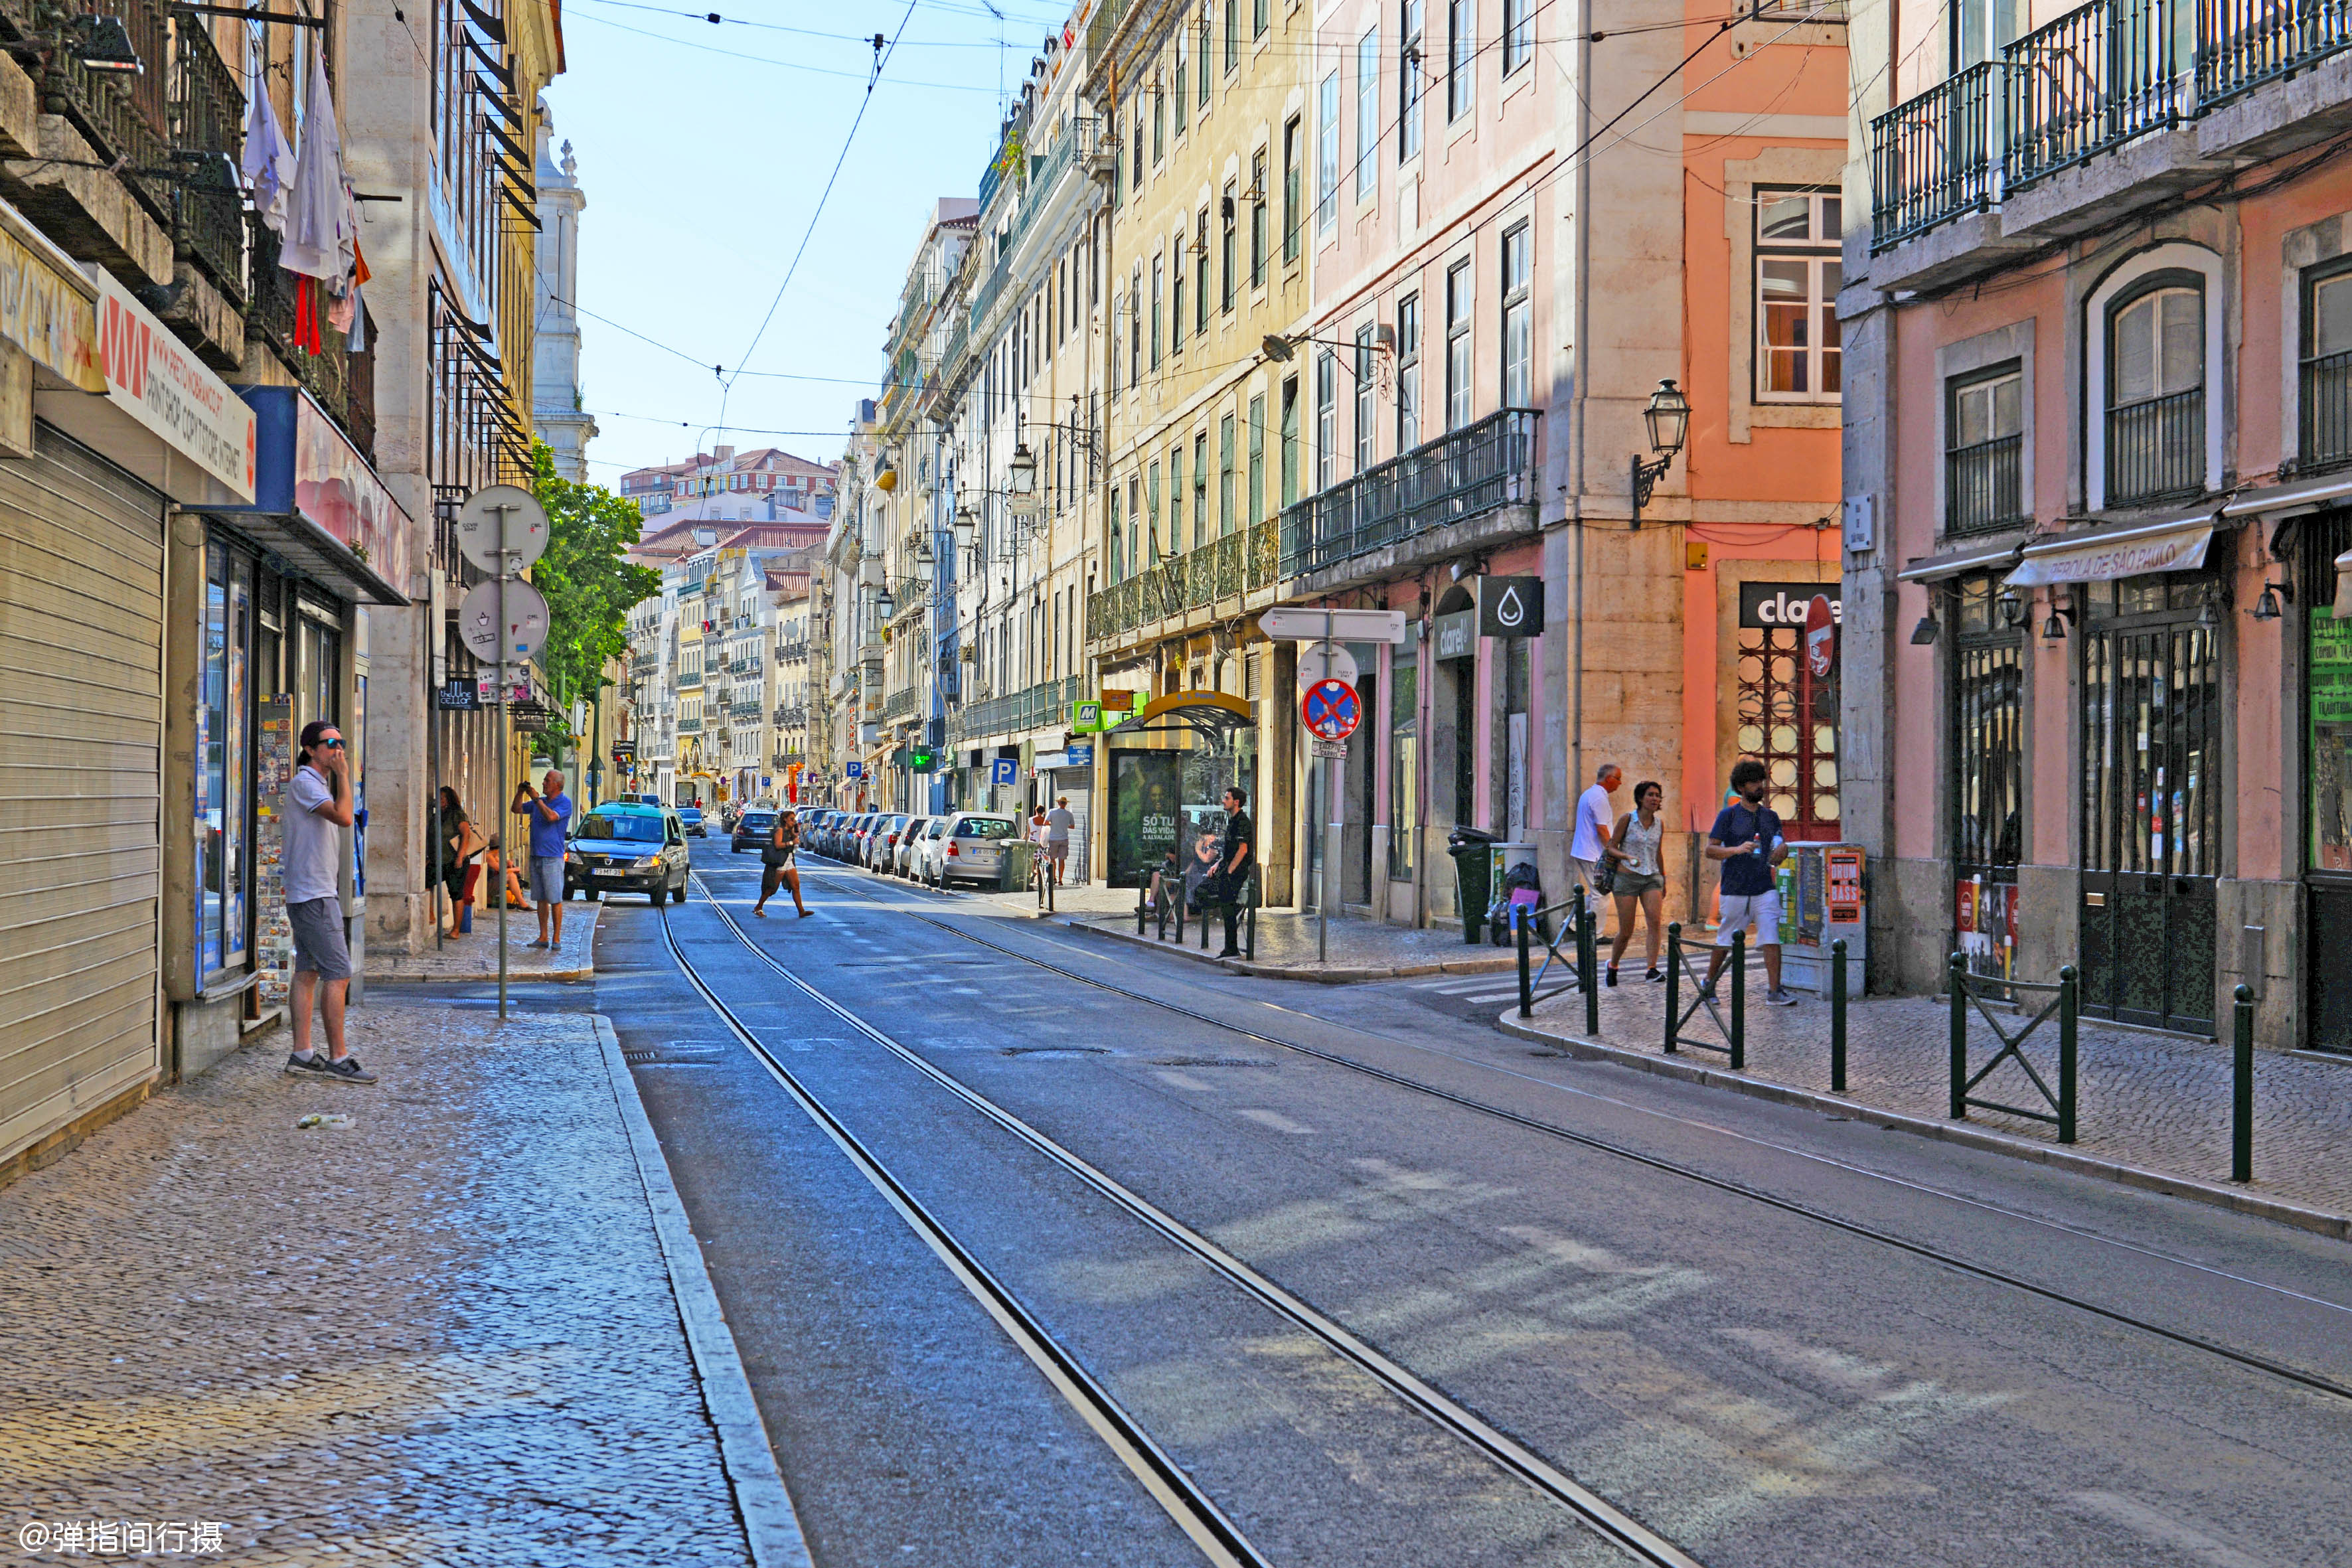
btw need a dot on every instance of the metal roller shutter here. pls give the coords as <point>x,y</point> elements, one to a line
<point>81,636</point>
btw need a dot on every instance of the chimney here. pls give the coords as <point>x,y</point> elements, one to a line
<point>720,454</point>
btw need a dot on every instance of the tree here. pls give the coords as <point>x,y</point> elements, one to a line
<point>587,579</point>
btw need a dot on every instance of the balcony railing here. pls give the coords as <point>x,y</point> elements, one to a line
<point>207,113</point>
<point>790,717</point>
<point>2078,86</point>
<point>1981,488</point>
<point>796,647</point>
<point>1464,473</point>
<point>689,726</point>
<point>1222,569</point>
<point>689,680</point>
<point>1938,155</point>
<point>2326,407</point>
<point>2096,77</point>
<point>326,374</point>
<point>2156,447</point>
<point>1036,707</point>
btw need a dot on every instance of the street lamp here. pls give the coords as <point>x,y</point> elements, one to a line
<point>966,523</point>
<point>1021,472</point>
<point>885,604</point>
<point>1668,418</point>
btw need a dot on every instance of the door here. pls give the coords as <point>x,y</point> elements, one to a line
<point>1988,783</point>
<point>2151,759</point>
<point>2327,866</point>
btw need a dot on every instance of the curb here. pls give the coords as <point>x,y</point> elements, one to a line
<point>1348,976</point>
<point>514,976</point>
<point>2214,1194</point>
<point>770,1523</point>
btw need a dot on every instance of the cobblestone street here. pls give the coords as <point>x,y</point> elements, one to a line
<point>361,1342</point>
<point>2151,1101</point>
<point>475,955</point>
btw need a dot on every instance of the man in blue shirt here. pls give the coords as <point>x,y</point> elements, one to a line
<point>1747,839</point>
<point>551,821</point>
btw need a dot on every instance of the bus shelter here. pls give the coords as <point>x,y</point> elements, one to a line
<point>1170,767</point>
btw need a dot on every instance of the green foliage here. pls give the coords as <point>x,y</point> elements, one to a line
<point>588,581</point>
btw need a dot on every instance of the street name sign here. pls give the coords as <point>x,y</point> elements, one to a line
<point>1338,626</point>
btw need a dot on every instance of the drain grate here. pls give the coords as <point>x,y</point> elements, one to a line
<point>675,1053</point>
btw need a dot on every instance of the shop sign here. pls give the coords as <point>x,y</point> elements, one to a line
<point>305,469</point>
<point>1458,633</point>
<point>1510,607</point>
<point>624,752</point>
<point>458,696</point>
<point>1079,757</point>
<point>46,305</point>
<point>1767,604</point>
<point>159,382</point>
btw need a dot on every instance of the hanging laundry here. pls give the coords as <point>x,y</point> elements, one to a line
<point>268,165</point>
<point>322,227</point>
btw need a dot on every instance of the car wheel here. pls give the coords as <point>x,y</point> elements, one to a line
<point>677,894</point>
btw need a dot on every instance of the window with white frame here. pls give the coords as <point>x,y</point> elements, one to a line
<point>1518,320</point>
<point>1326,163</point>
<point>1368,112</point>
<point>1461,58</point>
<point>1411,78</point>
<point>1798,274</point>
<point>1408,373</point>
<point>1327,418</point>
<point>1519,33</point>
<point>1367,400</point>
<point>2155,389</point>
<point>1458,366</point>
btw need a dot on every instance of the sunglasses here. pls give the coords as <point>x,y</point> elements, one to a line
<point>334,743</point>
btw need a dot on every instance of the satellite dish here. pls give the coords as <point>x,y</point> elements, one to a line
<point>502,529</point>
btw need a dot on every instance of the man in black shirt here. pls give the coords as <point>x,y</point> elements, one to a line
<point>1237,852</point>
<point>1747,839</point>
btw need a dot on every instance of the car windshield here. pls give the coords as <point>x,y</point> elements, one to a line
<point>759,821</point>
<point>691,813</point>
<point>983,828</point>
<point>633,829</point>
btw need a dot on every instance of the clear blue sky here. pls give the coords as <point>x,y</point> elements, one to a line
<point>701,173</point>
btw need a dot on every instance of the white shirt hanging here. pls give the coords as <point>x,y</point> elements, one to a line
<point>322,220</point>
<point>268,160</point>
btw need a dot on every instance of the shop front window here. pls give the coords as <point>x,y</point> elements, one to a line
<point>1788,710</point>
<point>223,827</point>
<point>1987,775</point>
<point>1404,763</point>
<point>2328,873</point>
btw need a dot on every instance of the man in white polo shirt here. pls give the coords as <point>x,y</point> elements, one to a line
<point>319,807</point>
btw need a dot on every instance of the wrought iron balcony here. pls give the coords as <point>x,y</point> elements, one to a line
<point>1982,485</point>
<point>1938,155</point>
<point>689,680</point>
<point>326,374</point>
<point>900,703</point>
<point>1046,704</point>
<point>2156,447</point>
<point>207,128</point>
<point>791,716</point>
<point>689,726</point>
<point>2096,77</point>
<point>2327,409</point>
<point>1464,474</point>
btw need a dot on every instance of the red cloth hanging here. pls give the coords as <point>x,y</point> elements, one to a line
<point>306,315</point>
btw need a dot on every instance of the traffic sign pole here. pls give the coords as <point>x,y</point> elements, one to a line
<point>1333,767</point>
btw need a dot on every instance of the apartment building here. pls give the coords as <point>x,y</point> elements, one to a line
<point>2098,458</point>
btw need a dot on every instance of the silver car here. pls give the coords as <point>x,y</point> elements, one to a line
<point>972,847</point>
<point>903,858</point>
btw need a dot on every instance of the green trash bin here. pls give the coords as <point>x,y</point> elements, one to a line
<point>1020,859</point>
<point>1473,875</point>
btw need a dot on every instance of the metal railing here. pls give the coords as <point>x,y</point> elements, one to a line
<point>790,717</point>
<point>2156,447</point>
<point>689,681</point>
<point>1489,464</point>
<point>1938,155</point>
<point>125,117</point>
<point>689,726</point>
<point>900,704</point>
<point>795,648</point>
<point>2099,75</point>
<point>208,128</point>
<point>326,374</point>
<point>1982,485</point>
<point>1226,568</point>
<point>2242,44</point>
<point>2325,407</point>
<point>1966,990</point>
<point>1035,707</point>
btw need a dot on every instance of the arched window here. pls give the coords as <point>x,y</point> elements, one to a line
<point>2155,389</point>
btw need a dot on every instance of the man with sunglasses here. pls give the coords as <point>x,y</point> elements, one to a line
<point>319,807</point>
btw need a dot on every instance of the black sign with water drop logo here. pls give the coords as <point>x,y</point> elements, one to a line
<point>1510,607</point>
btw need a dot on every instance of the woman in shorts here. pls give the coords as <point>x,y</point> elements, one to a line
<point>776,864</point>
<point>1640,873</point>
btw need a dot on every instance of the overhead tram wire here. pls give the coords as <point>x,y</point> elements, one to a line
<point>766,60</point>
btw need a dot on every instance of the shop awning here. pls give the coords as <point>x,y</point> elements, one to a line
<point>1951,564</point>
<point>2294,496</point>
<point>1212,716</point>
<point>2176,545</point>
<point>318,504</point>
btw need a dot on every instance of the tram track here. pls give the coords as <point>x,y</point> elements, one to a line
<point>1185,1500</point>
<point>1923,1250</point>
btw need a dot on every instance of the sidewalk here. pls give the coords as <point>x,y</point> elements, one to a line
<point>1359,948</point>
<point>474,957</point>
<point>2149,1105</point>
<point>442,1334</point>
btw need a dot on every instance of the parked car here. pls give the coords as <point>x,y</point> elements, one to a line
<point>691,817</point>
<point>973,847</point>
<point>751,830</point>
<point>922,861</point>
<point>626,848</point>
<point>853,844</point>
<point>816,825</point>
<point>902,855</point>
<point>882,840</point>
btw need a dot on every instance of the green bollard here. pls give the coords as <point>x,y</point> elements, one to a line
<point>2066,1006</point>
<point>1589,962</point>
<point>1527,986</point>
<point>1739,1000</point>
<point>1837,1016</point>
<point>1957,979</point>
<point>1673,981</point>
<point>2241,1088</point>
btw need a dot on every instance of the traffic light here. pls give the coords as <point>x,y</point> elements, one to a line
<point>921,758</point>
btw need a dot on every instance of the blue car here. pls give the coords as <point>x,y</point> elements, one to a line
<point>692,816</point>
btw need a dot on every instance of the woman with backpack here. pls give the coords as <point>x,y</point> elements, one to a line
<point>1640,881</point>
<point>776,864</point>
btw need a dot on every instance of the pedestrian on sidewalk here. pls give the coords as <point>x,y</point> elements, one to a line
<point>776,864</point>
<point>461,843</point>
<point>1587,847</point>
<point>1746,839</point>
<point>1641,881</point>
<point>1236,853</point>
<point>309,857</point>
<point>549,814</point>
<point>1058,823</point>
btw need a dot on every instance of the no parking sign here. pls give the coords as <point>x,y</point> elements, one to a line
<point>1330,709</point>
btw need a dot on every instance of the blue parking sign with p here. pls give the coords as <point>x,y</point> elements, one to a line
<point>1004,771</point>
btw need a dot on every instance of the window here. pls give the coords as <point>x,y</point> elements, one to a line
<point>1201,72</point>
<point>1138,142</point>
<point>1175,497</point>
<point>1176,303</point>
<point>1259,17</point>
<point>1159,125</point>
<point>1798,276</point>
<point>1200,488</point>
<point>1200,274</point>
<point>2155,389</point>
<point>1457,345</point>
<point>1404,760</point>
<point>1152,513</point>
<point>1257,459</point>
<point>1988,754</point>
<point>1292,215</point>
<point>1461,58</point>
<point>1257,221</point>
<point>1135,523</point>
<point>1327,153</point>
<point>1181,63</point>
<point>1368,112</point>
<point>1519,322</point>
<point>1367,400</point>
<point>1980,28</point>
<point>1225,476</point>
<point>1233,35</point>
<point>1289,439</point>
<point>1984,424</point>
<point>1519,33</point>
<point>1408,373</point>
<point>1117,548</point>
<point>1229,215</point>
<point>1327,416</point>
<point>1157,264</point>
<point>1411,81</point>
<point>1135,328</point>
<point>1116,305</point>
<point>2326,393</point>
